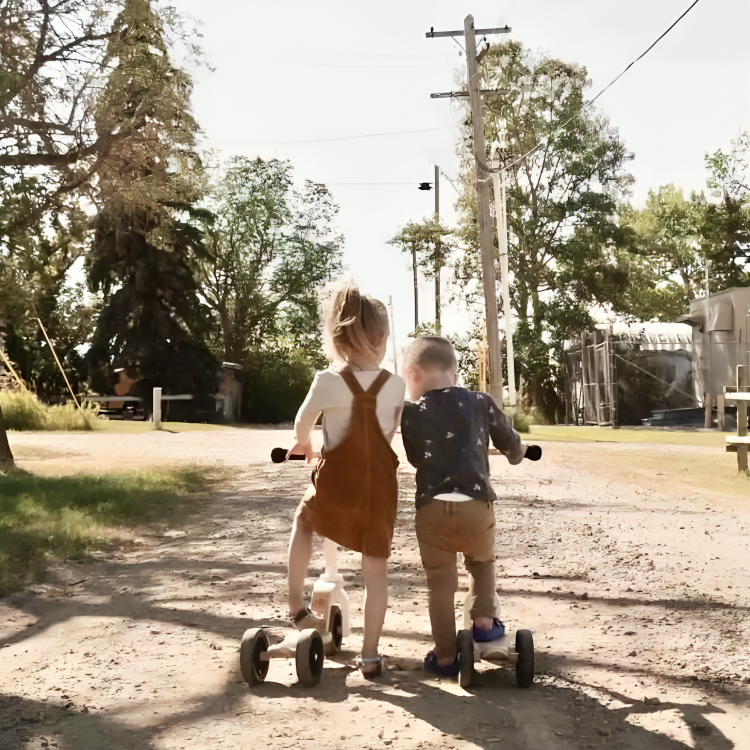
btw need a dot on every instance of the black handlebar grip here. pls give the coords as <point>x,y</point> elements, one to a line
<point>533,452</point>
<point>278,456</point>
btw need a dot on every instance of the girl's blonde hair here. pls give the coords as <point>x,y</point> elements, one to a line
<point>354,324</point>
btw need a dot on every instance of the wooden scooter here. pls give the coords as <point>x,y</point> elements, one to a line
<point>517,653</point>
<point>307,647</point>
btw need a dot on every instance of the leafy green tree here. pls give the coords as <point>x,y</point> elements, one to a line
<point>146,247</point>
<point>562,208</point>
<point>35,260</point>
<point>729,173</point>
<point>431,245</point>
<point>673,240</point>
<point>270,249</point>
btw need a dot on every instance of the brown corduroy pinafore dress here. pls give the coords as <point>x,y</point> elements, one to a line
<point>356,490</point>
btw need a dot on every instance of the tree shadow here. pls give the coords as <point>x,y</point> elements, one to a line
<point>693,715</point>
<point>28,724</point>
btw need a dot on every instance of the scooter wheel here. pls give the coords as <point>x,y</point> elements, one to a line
<point>525,663</point>
<point>309,657</point>
<point>254,643</point>
<point>465,648</point>
<point>336,628</point>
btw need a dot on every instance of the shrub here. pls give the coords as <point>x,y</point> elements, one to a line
<point>24,411</point>
<point>522,417</point>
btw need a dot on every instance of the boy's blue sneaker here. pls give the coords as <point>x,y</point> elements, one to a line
<point>496,631</point>
<point>430,665</point>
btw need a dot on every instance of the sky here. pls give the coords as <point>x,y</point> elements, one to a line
<point>289,71</point>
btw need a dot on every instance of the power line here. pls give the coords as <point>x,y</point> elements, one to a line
<point>342,138</point>
<point>611,83</point>
<point>451,182</point>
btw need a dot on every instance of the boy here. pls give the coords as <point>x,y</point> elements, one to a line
<point>446,433</point>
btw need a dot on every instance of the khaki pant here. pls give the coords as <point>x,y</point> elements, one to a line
<point>445,528</point>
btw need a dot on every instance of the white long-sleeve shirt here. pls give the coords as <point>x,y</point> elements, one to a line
<point>331,395</point>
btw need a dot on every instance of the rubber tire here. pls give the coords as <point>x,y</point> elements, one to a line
<point>525,663</point>
<point>254,643</point>
<point>309,657</point>
<point>336,627</point>
<point>465,649</point>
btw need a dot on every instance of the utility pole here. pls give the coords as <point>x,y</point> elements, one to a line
<point>438,254</point>
<point>416,288</point>
<point>483,209</point>
<point>501,220</point>
<point>474,94</point>
<point>393,335</point>
<point>708,265</point>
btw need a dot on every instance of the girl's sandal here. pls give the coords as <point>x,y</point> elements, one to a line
<point>370,674</point>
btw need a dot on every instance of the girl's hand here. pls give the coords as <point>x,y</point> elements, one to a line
<point>303,449</point>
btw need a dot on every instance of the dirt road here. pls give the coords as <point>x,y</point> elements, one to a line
<point>633,575</point>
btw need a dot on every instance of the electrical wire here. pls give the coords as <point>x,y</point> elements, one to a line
<point>609,85</point>
<point>451,182</point>
<point>341,138</point>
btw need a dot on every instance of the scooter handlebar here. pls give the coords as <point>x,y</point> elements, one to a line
<point>533,452</point>
<point>278,456</point>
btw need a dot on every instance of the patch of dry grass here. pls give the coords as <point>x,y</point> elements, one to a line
<point>24,411</point>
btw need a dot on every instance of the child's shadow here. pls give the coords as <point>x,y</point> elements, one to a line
<point>495,714</point>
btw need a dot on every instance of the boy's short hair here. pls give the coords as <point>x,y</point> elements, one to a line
<point>431,354</point>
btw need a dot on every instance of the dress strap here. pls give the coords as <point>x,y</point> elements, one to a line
<point>380,381</point>
<point>356,388</point>
<point>352,382</point>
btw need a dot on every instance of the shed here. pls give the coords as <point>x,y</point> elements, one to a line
<point>720,339</point>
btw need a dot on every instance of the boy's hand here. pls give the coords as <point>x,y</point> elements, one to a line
<point>303,449</point>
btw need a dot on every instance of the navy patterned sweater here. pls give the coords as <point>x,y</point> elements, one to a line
<point>446,435</point>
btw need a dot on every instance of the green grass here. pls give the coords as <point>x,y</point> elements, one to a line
<point>24,411</point>
<point>44,519</point>
<point>572,434</point>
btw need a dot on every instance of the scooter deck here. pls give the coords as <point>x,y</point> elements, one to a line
<point>287,649</point>
<point>501,651</point>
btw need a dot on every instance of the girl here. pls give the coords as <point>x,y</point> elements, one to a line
<point>353,498</point>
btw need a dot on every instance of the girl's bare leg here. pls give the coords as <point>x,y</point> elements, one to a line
<point>300,552</point>
<point>375,573</point>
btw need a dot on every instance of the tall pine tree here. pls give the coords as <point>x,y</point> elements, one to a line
<point>145,250</point>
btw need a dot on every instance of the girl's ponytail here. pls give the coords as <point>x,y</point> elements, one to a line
<point>353,323</point>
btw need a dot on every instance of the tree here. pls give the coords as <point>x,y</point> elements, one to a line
<point>562,208</point>
<point>146,246</point>
<point>675,238</point>
<point>431,245</point>
<point>728,173</point>
<point>270,249</point>
<point>53,57</point>
<point>35,259</point>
